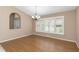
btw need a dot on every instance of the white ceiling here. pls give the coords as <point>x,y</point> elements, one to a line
<point>44,10</point>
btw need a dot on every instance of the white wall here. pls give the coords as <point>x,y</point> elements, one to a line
<point>8,34</point>
<point>69,26</point>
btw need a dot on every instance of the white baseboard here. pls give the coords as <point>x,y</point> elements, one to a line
<point>35,34</point>
<point>2,49</point>
<point>77,44</point>
<point>56,38</point>
<point>15,38</point>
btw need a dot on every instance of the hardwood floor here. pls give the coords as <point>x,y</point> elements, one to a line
<point>39,43</point>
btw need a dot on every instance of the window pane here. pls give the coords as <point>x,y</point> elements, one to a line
<point>59,26</point>
<point>38,26</point>
<point>15,21</point>
<point>51,26</point>
<point>42,26</point>
<point>45,26</point>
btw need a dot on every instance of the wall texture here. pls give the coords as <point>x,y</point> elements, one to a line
<point>69,26</point>
<point>9,34</point>
<point>77,25</point>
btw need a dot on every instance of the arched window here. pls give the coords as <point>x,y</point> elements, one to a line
<point>15,21</point>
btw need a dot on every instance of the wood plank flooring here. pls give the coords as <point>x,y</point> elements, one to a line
<point>35,43</point>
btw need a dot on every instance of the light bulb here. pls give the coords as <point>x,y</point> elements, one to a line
<point>37,16</point>
<point>33,17</point>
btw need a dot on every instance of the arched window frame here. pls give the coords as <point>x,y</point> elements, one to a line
<point>15,21</point>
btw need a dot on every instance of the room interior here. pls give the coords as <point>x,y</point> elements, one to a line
<point>39,28</point>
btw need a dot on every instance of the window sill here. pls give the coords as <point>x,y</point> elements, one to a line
<point>51,33</point>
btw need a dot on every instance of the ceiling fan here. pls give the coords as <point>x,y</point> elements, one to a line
<point>35,16</point>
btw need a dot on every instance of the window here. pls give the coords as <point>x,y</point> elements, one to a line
<point>59,26</point>
<point>15,21</point>
<point>51,25</point>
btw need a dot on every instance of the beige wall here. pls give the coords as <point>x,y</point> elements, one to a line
<point>8,34</point>
<point>77,31</point>
<point>27,22</point>
<point>69,26</point>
